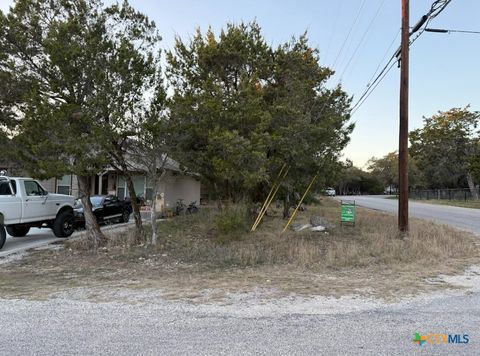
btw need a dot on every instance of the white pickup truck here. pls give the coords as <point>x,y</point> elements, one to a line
<point>24,203</point>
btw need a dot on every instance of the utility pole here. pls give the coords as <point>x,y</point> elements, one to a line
<point>403,135</point>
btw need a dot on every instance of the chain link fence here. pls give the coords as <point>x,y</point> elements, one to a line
<point>463,194</point>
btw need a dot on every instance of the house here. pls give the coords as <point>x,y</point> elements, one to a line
<point>175,185</point>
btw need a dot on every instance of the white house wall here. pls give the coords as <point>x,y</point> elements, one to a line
<point>169,190</point>
<point>177,187</point>
<point>49,185</point>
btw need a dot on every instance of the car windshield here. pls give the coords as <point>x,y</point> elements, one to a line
<point>96,201</point>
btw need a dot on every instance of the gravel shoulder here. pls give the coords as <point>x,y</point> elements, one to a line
<point>65,302</point>
<point>248,326</point>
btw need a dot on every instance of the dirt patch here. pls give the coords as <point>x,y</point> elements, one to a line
<point>193,261</point>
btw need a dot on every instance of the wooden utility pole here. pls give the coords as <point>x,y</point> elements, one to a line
<point>403,139</point>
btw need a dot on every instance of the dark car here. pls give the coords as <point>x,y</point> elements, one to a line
<point>106,208</point>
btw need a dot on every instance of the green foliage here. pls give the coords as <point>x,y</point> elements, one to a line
<point>231,224</point>
<point>446,147</point>
<point>78,72</point>
<point>474,159</point>
<point>386,170</point>
<point>242,109</point>
<point>353,180</point>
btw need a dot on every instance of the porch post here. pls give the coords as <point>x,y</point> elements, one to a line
<point>100,182</point>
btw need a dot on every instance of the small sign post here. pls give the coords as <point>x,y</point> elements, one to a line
<point>348,212</point>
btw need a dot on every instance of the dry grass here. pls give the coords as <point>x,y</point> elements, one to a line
<point>373,241</point>
<point>196,255</point>
<point>472,204</point>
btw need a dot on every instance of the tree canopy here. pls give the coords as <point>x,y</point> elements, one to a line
<point>78,73</point>
<point>446,148</point>
<point>243,109</point>
<point>386,170</point>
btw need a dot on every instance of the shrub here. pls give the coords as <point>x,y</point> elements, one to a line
<point>231,224</point>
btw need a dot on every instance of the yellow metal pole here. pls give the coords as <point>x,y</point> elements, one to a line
<point>299,203</point>
<point>260,213</point>
<point>269,201</point>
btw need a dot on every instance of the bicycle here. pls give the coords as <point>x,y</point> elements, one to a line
<point>192,208</point>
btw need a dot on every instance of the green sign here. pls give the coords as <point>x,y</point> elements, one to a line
<point>348,212</point>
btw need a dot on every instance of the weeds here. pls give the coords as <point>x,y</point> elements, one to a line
<point>231,224</point>
<point>223,239</point>
<point>218,239</point>
<point>193,254</point>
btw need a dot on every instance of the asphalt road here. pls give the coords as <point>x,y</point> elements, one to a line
<point>462,218</point>
<point>62,327</point>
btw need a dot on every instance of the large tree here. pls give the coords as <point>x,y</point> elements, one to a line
<point>309,125</point>
<point>445,147</point>
<point>78,70</point>
<point>386,170</point>
<point>353,180</point>
<point>218,107</point>
<point>245,109</point>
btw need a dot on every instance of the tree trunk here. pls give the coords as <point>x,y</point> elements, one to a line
<point>94,234</point>
<point>122,168</point>
<point>286,206</point>
<point>153,213</point>
<point>135,207</point>
<point>219,198</point>
<point>471,186</point>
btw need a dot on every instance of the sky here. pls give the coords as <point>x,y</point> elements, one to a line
<point>353,37</point>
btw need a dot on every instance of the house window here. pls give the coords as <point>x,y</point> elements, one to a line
<point>64,184</point>
<point>149,194</point>
<point>139,185</point>
<point>121,184</point>
<point>148,190</point>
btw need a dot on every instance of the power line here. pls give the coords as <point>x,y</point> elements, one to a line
<point>384,56</point>
<point>343,45</point>
<point>365,33</point>
<point>372,83</point>
<point>373,86</point>
<point>437,7</point>
<point>349,33</point>
<point>340,4</point>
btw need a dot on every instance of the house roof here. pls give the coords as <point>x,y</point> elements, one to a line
<point>134,165</point>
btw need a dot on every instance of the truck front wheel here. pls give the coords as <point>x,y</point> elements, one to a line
<point>64,224</point>
<point>18,231</point>
<point>3,236</point>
